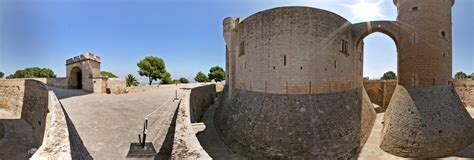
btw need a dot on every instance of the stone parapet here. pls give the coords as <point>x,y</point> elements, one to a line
<point>185,144</point>
<point>85,56</point>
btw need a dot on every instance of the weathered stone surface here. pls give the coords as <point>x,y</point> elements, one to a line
<point>465,90</point>
<point>317,126</point>
<point>42,111</point>
<point>426,122</point>
<point>380,91</point>
<point>191,107</point>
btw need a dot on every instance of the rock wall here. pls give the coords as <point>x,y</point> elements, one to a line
<point>465,90</point>
<point>117,85</point>
<point>32,101</point>
<point>426,122</point>
<point>11,96</point>
<point>380,92</point>
<point>274,126</point>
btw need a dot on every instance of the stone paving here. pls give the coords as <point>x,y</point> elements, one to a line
<point>105,125</point>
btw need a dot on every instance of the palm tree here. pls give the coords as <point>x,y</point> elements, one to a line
<point>131,80</point>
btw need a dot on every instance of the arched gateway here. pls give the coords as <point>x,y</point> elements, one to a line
<point>294,90</point>
<point>83,72</point>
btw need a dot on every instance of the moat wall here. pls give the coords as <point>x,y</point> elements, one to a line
<point>31,101</point>
<point>380,92</point>
<point>318,126</point>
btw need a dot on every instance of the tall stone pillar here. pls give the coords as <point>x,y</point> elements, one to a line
<point>231,38</point>
<point>425,117</point>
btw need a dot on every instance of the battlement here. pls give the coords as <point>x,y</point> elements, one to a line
<point>83,57</point>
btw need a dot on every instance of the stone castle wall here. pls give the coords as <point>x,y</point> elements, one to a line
<point>380,91</point>
<point>200,99</point>
<point>465,90</point>
<point>295,51</point>
<point>31,101</point>
<point>294,91</point>
<point>425,51</point>
<point>284,59</point>
<point>11,96</point>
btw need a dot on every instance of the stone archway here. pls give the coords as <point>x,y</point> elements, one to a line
<point>364,29</point>
<point>378,91</point>
<point>75,78</point>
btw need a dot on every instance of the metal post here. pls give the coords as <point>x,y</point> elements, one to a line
<point>145,130</point>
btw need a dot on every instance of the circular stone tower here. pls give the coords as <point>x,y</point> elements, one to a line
<point>295,91</point>
<point>425,117</point>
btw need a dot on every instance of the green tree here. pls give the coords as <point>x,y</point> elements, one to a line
<point>33,72</point>
<point>389,75</point>
<point>166,79</point>
<point>217,74</point>
<point>131,80</point>
<point>153,68</point>
<point>460,75</point>
<point>176,81</point>
<point>2,74</point>
<point>108,74</point>
<point>183,80</point>
<point>201,77</point>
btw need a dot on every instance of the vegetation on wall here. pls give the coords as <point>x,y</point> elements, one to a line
<point>131,80</point>
<point>201,77</point>
<point>183,80</point>
<point>217,74</point>
<point>389,75</point>
<point>108,74</point>
<point>33,72</point>
<point>153,68</point>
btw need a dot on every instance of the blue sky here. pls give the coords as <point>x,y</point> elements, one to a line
<point>187,34</point>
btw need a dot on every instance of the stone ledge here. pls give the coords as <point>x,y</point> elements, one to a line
<point>185,143</point>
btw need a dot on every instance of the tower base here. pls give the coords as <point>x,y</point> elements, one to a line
<point>426,122</point>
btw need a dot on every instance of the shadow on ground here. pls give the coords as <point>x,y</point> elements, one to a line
<point>166,148</point>
<point>67,93</point>
<point>78,150</point>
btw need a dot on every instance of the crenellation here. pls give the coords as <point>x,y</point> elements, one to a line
<point>83,57</point>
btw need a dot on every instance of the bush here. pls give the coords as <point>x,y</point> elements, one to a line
<point>217,74</point>
<point>389,75</point>
<point>166,79</point>
<point>33,72</point>
<point>183,80</point>
<point>201,77</point>
<point>460,75</point>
